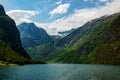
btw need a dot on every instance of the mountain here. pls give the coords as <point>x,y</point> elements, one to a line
<point>98,41</point>
<point>11,49</point>
<point>65,33</point>
<point>8,56</point>
<point>62,34</point>
<point>35,40</point>
<point>55,36</point>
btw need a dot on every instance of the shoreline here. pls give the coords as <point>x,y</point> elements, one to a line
<point>7,64</point>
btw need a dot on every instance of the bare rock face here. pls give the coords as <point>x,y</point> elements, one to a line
<point>10,34</point>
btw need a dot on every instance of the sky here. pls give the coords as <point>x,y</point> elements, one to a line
<point>58,15</point>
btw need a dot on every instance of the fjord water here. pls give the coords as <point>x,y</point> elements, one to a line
<point>60,72</point>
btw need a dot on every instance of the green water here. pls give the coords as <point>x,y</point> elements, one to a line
<point>60,72</point>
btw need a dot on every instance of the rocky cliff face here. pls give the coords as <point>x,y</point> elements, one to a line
<point>10,34</point>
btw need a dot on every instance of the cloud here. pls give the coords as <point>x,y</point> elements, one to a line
<point>61,9</point>
<point>103,0</point>
<point>80,17</point>
<point>22,16</point>
<point>59,2</point>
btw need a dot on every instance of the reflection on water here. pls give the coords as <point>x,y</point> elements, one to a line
<point>60,72</point>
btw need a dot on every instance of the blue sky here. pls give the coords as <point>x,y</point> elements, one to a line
<point>59,15</point>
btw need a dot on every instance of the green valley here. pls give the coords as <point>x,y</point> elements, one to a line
<point>95,42</point>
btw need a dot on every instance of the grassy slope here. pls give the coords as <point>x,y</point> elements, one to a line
<point>10,57</point>
<point>11,50</point>
<point>109,50</point>
<point>94,47</point>
<point>7,55</point>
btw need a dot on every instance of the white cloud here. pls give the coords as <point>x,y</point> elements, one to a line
<point>59,2</point>
<point>61,9</point>
<point>80,17</point>
<point>77,19</point>
<point>103,0</point>
<point>107,3</point>
<point>21,15</point>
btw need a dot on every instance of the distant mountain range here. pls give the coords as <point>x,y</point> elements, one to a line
<point>65,33</point>
<point>62,34</point>
<point>98,41</point>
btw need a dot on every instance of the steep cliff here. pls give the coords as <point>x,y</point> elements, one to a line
<point>10,34</point>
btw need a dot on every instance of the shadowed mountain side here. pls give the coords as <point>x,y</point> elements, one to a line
<point>10,34</point>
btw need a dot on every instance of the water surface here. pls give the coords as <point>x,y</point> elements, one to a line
<point>60,72</point>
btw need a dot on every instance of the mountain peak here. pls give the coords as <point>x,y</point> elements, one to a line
<point>10,34</point>
<point>29,31</point>
<point>2,11</point>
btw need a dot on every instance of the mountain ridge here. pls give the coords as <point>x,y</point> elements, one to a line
<point>35,40</point>
<point>86,44</point>
<point>89,42</point>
